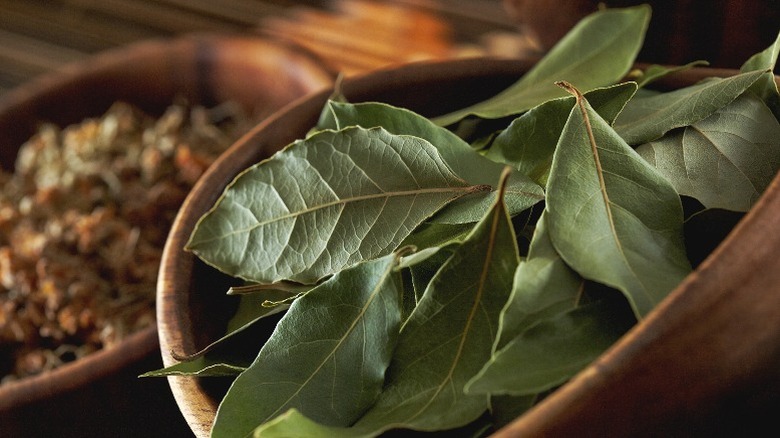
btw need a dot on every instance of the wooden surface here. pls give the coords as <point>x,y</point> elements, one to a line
<point>353,35</point>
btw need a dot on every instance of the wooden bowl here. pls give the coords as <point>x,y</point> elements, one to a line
<point>699,363</point>
<point>101,392</point>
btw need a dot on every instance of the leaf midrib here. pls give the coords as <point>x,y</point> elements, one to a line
<point>471,316</point>
<point>374,293</point>
<point>602,183</point>
<point>456,191</point>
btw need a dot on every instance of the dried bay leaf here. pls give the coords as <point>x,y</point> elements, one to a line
<point>646,119</point>
<point>310,364</point>
<point>550,352</point>
<point>655,72</point>
<point>543,286</point>
<point>528,143</point>
<point>596,52</point>
<point>766,86</point>
<point>424,264</point>
<point>245,334</point>
<point>612,217</point>
<point>201,366</point>
<point>449,335</point>
<point>726,160</point>
<point>325,203</point>
<point>443,343</point>
<point>430,235</point>
<point>521,192</point>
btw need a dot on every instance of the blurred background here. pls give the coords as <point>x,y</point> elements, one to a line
<point>350,35</point>
<point>358,35</point>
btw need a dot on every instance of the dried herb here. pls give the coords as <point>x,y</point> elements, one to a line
<point>83,220</point>
<point>596,185</point>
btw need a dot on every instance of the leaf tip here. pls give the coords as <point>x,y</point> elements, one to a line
<point>571,89</point>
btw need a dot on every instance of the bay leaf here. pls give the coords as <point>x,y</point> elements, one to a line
<point>473,167</point>
<point>292,424</point>
<point>424,264</point>
<point>232,353</point>
<point>543,286</point>
<point>598,51</point>
<point>201,366</point>
<point>449,335</point>
<point>528,143</point>
<point>323,204</point>
<point>429,235</point>
<point>646,119</point>
<point>252,307</point>
<point>443,343</point>
<point>611,216</point>
<point>327,120</point>
<point>655,72</point>
<point>552,351</point>
<point>766,86</point>
<point>724,161</point>
<point>309,363</point>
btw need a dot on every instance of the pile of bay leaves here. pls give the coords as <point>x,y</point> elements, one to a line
<point>437,275</point>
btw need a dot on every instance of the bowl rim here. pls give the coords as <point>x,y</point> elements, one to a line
<point>143,342</point>
<point>195,405</point>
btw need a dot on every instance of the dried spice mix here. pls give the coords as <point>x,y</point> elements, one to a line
<point>83,220</point>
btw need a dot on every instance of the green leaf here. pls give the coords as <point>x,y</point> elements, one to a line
<point>612,217</point>
<point>443,343</point>
<point>543,286</point>
<point>552,351</point>
<point>529,141</point>
<point>521,194</point>
<point>449,335</point>
<point>293,424</point>
<point>310,364</point>
<point>327,120</point>
<point>655,72</point>
<point>766,86</point>
<point>460,156</point>
<point>598,51</point>
<point>324,204</point>
<point>201,366</point>
<point>648,118</point>
<point>219,358</point>
<point>424,264</point>
<point>252,307</point>
<point>726,160</point>
<point>430,235</point>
